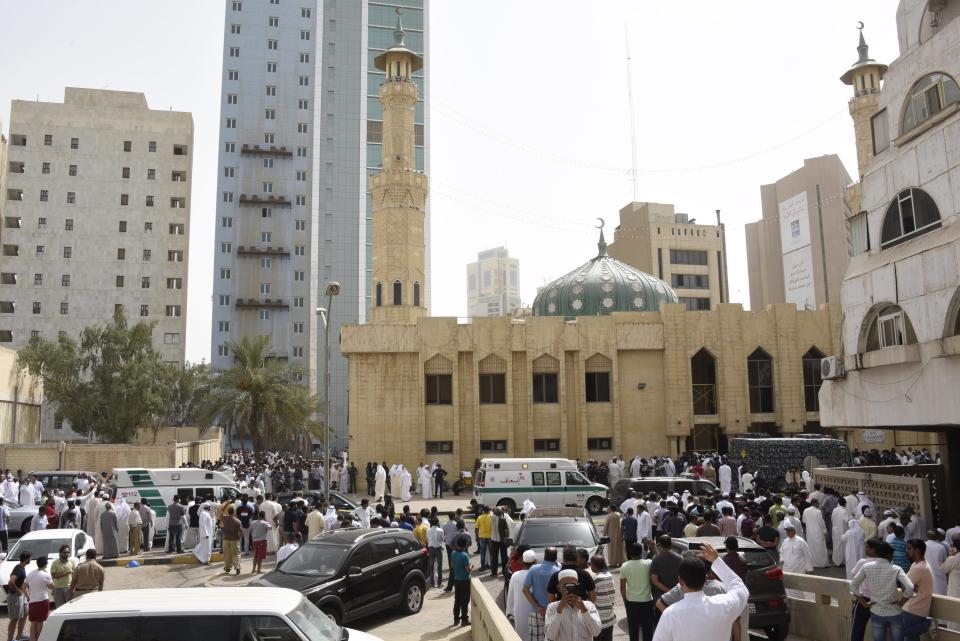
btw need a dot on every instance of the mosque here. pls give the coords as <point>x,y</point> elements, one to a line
<point>608,363</point>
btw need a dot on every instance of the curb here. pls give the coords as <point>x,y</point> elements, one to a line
<point>179,559</point>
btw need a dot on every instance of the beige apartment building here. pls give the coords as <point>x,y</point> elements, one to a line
<point>493,284</point>
<point>691,257</point>
<point>797,252</point>
<point>96,218</point>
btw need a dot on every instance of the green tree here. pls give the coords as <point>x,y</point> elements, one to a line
<point>111,383</point>
<point>259,396</point>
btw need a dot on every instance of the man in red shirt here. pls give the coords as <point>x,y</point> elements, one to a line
<point>916,609</point>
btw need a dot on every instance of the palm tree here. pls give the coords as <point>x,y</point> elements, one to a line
<point>260,396</point>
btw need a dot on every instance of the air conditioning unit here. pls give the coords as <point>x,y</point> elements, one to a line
<point>831,367</point>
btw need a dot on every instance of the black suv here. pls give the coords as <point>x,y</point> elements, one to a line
<point>352,573</point>
<point>764,579</point>
<point>620,492</point>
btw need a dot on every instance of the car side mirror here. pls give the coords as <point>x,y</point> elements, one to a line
<point>354,570</point>
<point>604,540</point>
<point>344,634</point>
<point>3,555</point>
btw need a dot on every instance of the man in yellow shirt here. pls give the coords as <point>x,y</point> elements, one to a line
<point>420,530</point>
<point>484,528</point>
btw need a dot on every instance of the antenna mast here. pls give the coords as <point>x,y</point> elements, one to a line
<point>633,126</point>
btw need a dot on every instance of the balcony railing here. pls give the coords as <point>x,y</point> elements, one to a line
<point>272,150</point>
<point>256,250</point>
<point>262,303</point>
<point>258,199</point>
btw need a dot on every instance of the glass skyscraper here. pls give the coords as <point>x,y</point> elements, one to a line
<point>300,133</point>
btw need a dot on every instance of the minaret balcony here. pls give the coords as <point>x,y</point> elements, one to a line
<point>256,250</point>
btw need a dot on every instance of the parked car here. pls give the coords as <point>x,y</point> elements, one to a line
<point>314,497</point>
<point>59,479</point>
<point>44,543</point>
<point>352,573</point>
<point>620,491</point>
<point>212,614</point>
<point>556,527</point>
<point>764,580</point>
<point>21,516</point>
<point>550,482</point>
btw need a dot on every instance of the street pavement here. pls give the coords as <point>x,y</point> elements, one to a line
<point>433,623</point>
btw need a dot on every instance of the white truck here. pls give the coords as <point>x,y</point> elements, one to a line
<point>548,482</point>
<point>160,485</point>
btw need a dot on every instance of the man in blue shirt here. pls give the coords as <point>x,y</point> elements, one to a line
<point>535,589</point>
<point>460,570</point>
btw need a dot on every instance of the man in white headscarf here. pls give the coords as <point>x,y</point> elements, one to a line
<point>852,505</point>
<point>816,538</point>
<point>380,483</point>
<point>26,496</point>
<point>807,481</point>
<point>852,541</point>
<point>635,467</point>
<point>204,548</point>
<point>93,513</point>
<point>613,471</point>
<point>330,518</point>
<point>122,509</point>
<point>792,520</point>
<point>724,477</point>
<point>426,482</point>
<point>344,478</point>
<point>271,510</point>
<point>838,525</point>
<point>527,506</point>
<point>11,489</point>
<point>404,484</point>
<point>866,502</point>
<point>746,482</point>
<point>795,556</point>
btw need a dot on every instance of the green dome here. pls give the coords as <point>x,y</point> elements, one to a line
<point>602,286</point>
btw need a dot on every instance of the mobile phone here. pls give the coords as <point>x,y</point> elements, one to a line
<point>695,546</point>
<point>571,588</point>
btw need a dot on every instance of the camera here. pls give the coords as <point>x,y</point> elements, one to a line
<point>571,588</point>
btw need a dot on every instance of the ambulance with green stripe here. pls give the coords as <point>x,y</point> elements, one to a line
<point>548,482</point>
<point>160,485</point>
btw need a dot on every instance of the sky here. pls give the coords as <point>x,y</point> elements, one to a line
<point>530,118</point>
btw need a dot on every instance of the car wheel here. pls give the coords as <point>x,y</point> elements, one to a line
<point>776,632</point>
<point>412,598</point>
<point>333,613</point>
<point>594,505</point>
<point>25,526</point>
<point>508,504</point>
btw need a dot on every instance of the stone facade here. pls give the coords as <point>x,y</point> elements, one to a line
<point>21,399</point>
<point>493,284</point>
<point>644,357</point>
<point>690,258</point>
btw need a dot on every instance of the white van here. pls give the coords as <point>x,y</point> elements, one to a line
<point>188,614</point>
<point>548,482</point>
<point>160,485</point>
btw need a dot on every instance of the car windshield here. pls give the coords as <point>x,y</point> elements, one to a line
<point>539,535</point>
<point>315,560</point>
<point>757,558</point>
<point>37,547</point>
<point>316,625</point>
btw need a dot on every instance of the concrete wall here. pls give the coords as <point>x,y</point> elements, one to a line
<point>21,396</point>
<point>99,457</point>
<point>489,623</point>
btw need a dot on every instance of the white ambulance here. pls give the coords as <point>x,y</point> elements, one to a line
<point>160,485</point>
<point>548,482</point>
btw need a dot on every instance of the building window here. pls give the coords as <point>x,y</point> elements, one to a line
<point>273,45</point>
<point>144,282</point>
<point>71,198</point>
<point>703,374</point>
<point>144,310</point>
<point>68,224</point>
<point>298,276</point>
<point>36,307</point>
<point>74,143</point>
<point>264,314</point>
<point>173,311</point>
<point>232,74</point>
<point>379,295</point>
<point>266,263</point>
<point>690,281</point>
<point>124,199</point>
<point>812,379</point>
<point>929,96</point>
<point>72,170</point>
<point>122,226</point>
<point>65,280</point>
<point>147,255</point>
<point>273,21</point>
<point>439,447</point>
<point>45,168</point>
<point>688,257</point>
<point>397,293</point>
<point>859,234</point>
<point>48,139</point>
<point>171,338</point>
<point>695,303</point>
<point>174,283</point>
<point>228,196</point>
<point>44,195</point>
<point>598,387</point>
<point>119,281</point>
<point>68,252</point>
<point>149,201</point>
<point>64,309</point>
<point>600,443</point>
<point>439,389</point>
<point>147,227</point>
<point>880,128</point>
<point>546,388</point>
<point>889,326</point>
<point>226,221</point>
<point>547,445</point>
<point>493,388</point>
<point>493,446</point>
<point>271,67</point>
<point>121,253</point>
<point>235,29</point>
<point>912,213</point>
<point>234,52</point>
<point>224,273</point>
<point>760,380</point>
<point>37,280</point>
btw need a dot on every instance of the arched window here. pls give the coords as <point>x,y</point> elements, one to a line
<point>912,213</point>
<point>416,294</point>
<point>888,326</point>
<point>703,374</point>
<point>812,379</point>
<point>397,293</point>
<point>379,294</point>
<point>760,380</point>
<point>953,316</point>
<point>929,96</point>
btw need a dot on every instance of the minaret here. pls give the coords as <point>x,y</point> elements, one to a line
<point>399,194</point>
<point>865,76</point>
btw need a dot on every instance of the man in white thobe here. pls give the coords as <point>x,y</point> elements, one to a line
<point>935,555</point>
<point>26,497</point>
<point>364,513</point>
<point>635,467</point>
<point>795,557</point>
<point>404,484</point>
<point>426,484</point>
<point>11,489</point>
<point>790,519</point>
<point>866,502</point>
<point>571,618</point>
<point>613,471</point>
<point>204,548</point>
<point>122,509</point>
<point>746,482</point>
<point>271,509</point>
<point>380,483</point>
<point>816,538</point>
<point>852,505</point>
<point>94,512</point>
<point>807,481</point>
<point>838,525</point>
<point>852,541</point>
<point>724,477</point>
<point>704,618</point>
<point>395,480</point>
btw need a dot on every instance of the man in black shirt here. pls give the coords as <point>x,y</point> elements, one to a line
<point>769,538</point>
<point>16,600</point>
<point>586,588</point>
<point>245,512</point>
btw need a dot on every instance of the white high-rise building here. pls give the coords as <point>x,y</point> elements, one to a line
<point>300,132</point>
<point>96,217</point>
<point>493,284</point>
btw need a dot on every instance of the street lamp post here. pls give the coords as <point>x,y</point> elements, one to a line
<point>333,289</point>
